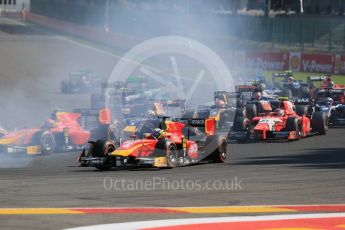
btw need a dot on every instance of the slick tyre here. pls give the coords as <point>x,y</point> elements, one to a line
<point>242,124</point>
<point>240,112</point>
<point>286,93</point>
<point>301,110</point>
<point>64,87</point>
<point>251,110</point>
<point>304,92</point>
<point>319,123</point>
<point>293,124</point>
<point>220,154</point>
<point>171,155</point>
<point>47,142</point>
<point>108,147</point>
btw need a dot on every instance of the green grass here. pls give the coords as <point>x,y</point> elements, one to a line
<point>338,79</point>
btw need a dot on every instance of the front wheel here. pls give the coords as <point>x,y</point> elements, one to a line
<point>220,154</point>
<point>171,155</point>
<point>47,142</point>
<point>108,148</point>
<point>293,124</point>
<point>319,123</point>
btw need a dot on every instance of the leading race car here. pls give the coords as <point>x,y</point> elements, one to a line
<point>171,144</point>
<point>283,123</point>
<point>60,132</point>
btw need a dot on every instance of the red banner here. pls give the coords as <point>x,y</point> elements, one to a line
<point>318,63</point>
<point>268,61</point>
<point>339,67</point>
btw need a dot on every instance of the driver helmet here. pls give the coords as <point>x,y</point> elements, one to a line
<point>257,96</point>
<point>280,112</point>
<point>220,102</point>
<point>290,79</point>
<point>157,133</point>
<point>328,101</point>
<point>150,113</point>
<point>330,84</point>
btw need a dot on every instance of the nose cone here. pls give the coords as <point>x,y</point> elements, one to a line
<point>261,127</point>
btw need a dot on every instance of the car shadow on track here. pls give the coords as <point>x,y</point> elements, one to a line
<point>132,168</point>
<point>323,158</point>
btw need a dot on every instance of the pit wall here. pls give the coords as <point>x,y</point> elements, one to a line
<point>295,61</point>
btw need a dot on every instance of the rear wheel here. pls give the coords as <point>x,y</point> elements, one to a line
<point>301,110</point>
<point>286,93</point>
<point>319,123</point>
<point>242,124</point>
<point>240,112</point>
<point>251,110</point>
<point>304,92</point>
<point>64,87</point>
<point>97,101</point>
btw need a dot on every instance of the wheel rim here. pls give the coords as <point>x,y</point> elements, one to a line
<point>172,154</point>
<point>325,123</point>
<point>48,143</point>
<point>222,150</point>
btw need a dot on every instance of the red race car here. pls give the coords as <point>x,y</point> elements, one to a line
<point>283,123</point>
<point>170,144</point>
<point>59,132</point>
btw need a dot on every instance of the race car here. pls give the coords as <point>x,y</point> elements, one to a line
<point>61,132</point>
<point>326,82</point>
<point>283,123</point>
<point>171,144</point>
<point>288,86</point>
<point>83,81</point>
<point>254,100</point>
<point>332,102</point>
<point>334,110</point>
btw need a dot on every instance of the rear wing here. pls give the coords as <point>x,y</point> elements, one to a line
<point>244,88</point>
<point>178,103</point>
<point>209,124</point>
<point>92,118</point>
<point>311,79</point>
<point>280,75</point>
<point>330,92</point>
<point>115,87</point>
<point>301,101</point>
<point>225,95</point>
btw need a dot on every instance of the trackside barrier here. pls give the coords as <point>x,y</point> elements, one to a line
<point>296,61</point>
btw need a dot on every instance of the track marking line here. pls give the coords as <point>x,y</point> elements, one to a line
<point>182,210</point>
<point>118,57</point>
<point>37,211</point>
<point>174,223</point>
<point>249,209</point>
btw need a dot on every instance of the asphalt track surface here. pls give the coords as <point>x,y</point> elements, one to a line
<point>310,171</point>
